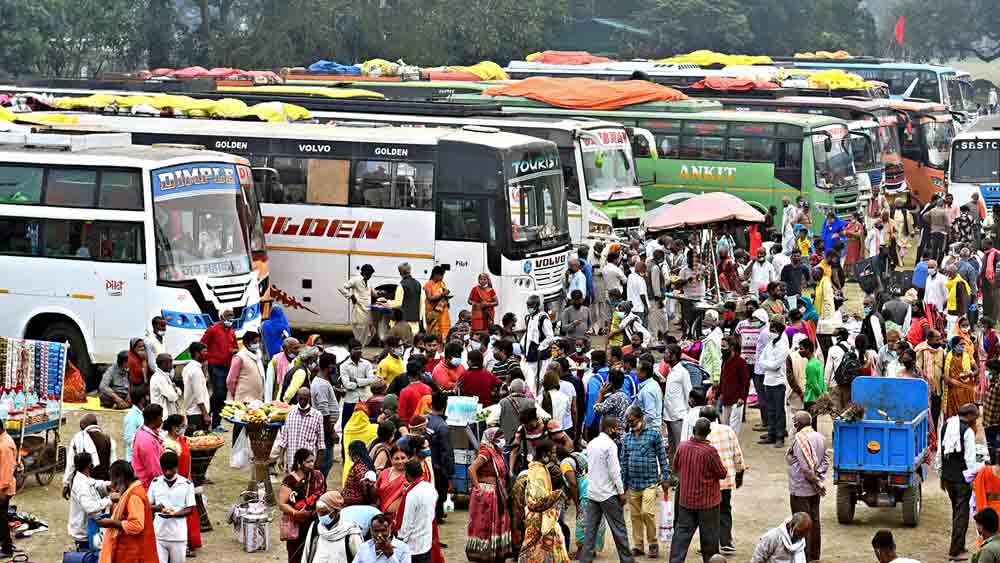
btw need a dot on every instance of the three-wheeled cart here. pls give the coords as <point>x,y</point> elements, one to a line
<point>881,460</point>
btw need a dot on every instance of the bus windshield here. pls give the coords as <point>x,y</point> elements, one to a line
<point>834,167</point>
<point>865,151</point>
<point>976,166</point>
<point>201,220</point>
<point>253,220</point>
<point>537,207</point>
<point>938,136</point>
<point>890,144</point>
<point>607,171</point>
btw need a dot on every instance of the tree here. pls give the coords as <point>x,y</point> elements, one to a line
<point>687,25</point>
<point>953,28</point>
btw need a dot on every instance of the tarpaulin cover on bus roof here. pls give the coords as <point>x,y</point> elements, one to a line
<point>837,79</point>
<point>332,67</point>
<point>335,93</point>
<point>704,57</point>
<point>565,58</point>
<point>833,55</point>
<point>218,72</point>
<point>733,84</point>
<point>225,108</point>
<point>704,209</point>
<point>587,93</point>
<point>483,70</point>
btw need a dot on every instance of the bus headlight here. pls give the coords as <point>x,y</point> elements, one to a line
<point>524,282</point>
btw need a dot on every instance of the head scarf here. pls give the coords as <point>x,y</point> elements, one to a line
<point>963,334</point>
<point>274,330</point>
<point>490,449</point>
<point>810,313</point>
<point>135,371</point>
<point>311,341</point>
<point>331,500</point>
<point>358,428</point>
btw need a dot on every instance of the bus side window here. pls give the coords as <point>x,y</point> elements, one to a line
<point>291,185</point>
<point>788,163</point>
<point>20,237</point>
<point>668,145</point>
<point>413,185</point>
<point>21,184</point>
<point>460,218</point>
<point>327,181</point>
<point>121,190</point>
<point>71,187</point>
<point>120,242</point>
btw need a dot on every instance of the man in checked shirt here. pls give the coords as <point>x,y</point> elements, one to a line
<point>644,471</point>
<point>700,468</point>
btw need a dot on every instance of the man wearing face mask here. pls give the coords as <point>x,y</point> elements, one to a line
<point>392,364</point>
<point>171,498</point>
<point>221,341</point>
<point>245,382</point>
<point>303,429</point>
<point>448,372</point>
<point>162,390</point>
<point>538,337</point>
<point>605,492</point>
<point>154,339</point>
<point>196,397</point>
<point>772,360</point>
<point>278,367</point>
<point>888,354</point>
<point>761,273</point>
<point>356,375</point>
<point>787,225</point>
<point>576,319</point>
<point>383,547</point>
<point>956,455</point>
<point>873,325</point>
<point>300,373</point>
<point>959,297</point>
<point>935,292</point>
<point>332,538</point>
<point>644,472</point>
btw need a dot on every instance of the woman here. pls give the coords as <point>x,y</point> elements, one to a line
<point>392,482</point>
<point>575,468</point>
<point>332,539</point>
<point>175,426</point>
<point>361,478</point>
<point>555,402</point>
<point>138,367</point>
<point>867,355</point>
<point>798,325</point>
<point>489,522</point>
<point>855,233</point>
<point>386,437</point>
<point>903,235</point>
<point>297,501</point>
<point>543,538</point>
<point>483,300</point>
<point>908,361</point>
<point>274,331</point>
<point>729,278</point>
<point>129,535</point>
<point>987,348</point>
<point>959,378</point>
<point>359,427</point>
<point>436,297</point>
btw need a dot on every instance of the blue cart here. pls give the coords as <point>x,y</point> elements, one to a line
<point>881,460</point>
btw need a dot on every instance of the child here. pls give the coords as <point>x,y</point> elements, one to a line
<point>802,240</point>
<point>615,335</point>
<point>401,330</point>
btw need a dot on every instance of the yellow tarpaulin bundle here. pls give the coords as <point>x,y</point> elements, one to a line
<point>225,108</point>
<point>836,79</point>
<point>385,68</point>
<point>36,118</point>
<point>836,55</point>
<point>485,70</point>
<point>704,57</point>
<point>336,93</point>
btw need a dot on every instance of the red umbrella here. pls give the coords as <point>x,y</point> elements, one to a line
<point>704,209</point>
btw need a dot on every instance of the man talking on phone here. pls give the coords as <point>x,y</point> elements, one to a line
<point>382,548</point>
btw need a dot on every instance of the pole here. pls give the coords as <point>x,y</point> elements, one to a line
<point>715,262</point>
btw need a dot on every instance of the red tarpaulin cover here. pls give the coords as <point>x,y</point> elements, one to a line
<point>586,93</point>
<point>568,58</point>
<point>704,209</point>
<point>733,84</point>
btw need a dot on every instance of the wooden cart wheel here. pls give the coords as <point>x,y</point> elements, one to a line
<point>45,477</point>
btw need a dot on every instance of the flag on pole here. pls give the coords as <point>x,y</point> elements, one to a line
<point>900,23</point>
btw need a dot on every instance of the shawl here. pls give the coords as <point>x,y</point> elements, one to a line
<point>358,428</point>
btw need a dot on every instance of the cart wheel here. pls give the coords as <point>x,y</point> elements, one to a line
<point>845,504</point>
<point>19,478</point>
<point>913,501</point>
<point>45,477</point>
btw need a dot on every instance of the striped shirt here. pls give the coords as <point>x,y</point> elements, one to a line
<point>749,331</point>
<point>724,439</point>
<point>700,469</point>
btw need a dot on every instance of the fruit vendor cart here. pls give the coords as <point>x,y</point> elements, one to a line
<point>31,405</point>
<point>203,448</point>
<point>261,422</point>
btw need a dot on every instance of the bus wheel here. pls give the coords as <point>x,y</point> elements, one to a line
<point>65,331</point>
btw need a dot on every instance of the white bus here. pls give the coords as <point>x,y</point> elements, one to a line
<point>98,236</point>
<point>335,198</point>
<point>975,168</point>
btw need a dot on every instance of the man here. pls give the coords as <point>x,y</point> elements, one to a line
<point>968,268</point>
<point>939,222</point>
<point>675,397</point>
<point>511,406</point>
<point>779,260</point>
<point>325,401</point>
<point>873,325</point>
<point>700,470</point>
<point>196,400</point>
<point>442,451</point>
<point>645,471</point>
<point>795,276</point>
<point>786,543</point>
<point>734,384</point>
<point>220,338</point>
<point>91,439</point>
<point>956,454</point>
<point>711,346</point>
<point>417,528</point>
<point>885,548</point>
<point>360,296</point>
<point>656,285</point>
<point>133,420</point>
<point>772,360</point>
<point>605,492</point>
<point>936,293</point>
<point>448,372</point>
<point>115,384</point>
<point>614,277</point>
<point>637,291</point>
<point>875,241</point>
<point>278,367</point>
<point>171,498</point>
<point>876,206</point>
<point>411,396</point>
<point>888,355</point>
<point>575,278</point>
<point>787,225</point>
<point>599,305</point>
<point>807,466</point>
<point>897,310</point>
<point>537,339</point>
<point>748,330</point>
<point>598,377</point>
<point>154,340</point>
<point>407,297</point>
<point>987,523</point>
<point>356,376</point>
<point>760,273</point>
<point>576,319</point>
<point>303,429</point>
<point>148,446</point>
<point>726,441</point>
<point>649,399</point>
<point>959,297</point>
<point>775,303</point>
<point>8,487</point>
<point>382,548</point>
<point>991,281</point>
<point>162,389</point>
<point>245,382</point>
<point>963,227</point>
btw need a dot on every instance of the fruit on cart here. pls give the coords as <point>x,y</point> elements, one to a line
<point>206,441</point>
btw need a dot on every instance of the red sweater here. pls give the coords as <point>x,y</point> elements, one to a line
<point>221,342</point>
<point>409,399</point>
<point>734,382</point>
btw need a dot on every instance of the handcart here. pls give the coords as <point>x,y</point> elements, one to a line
<point>261,436</point>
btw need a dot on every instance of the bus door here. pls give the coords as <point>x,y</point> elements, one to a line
<point>466,226</point>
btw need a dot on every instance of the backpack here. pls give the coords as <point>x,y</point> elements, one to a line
<point>697,373</point>
<point>849,366</point>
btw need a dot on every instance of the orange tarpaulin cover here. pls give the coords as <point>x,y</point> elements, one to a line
<point>587,93</point>
<point>733,84</point>
<point>566,58</point>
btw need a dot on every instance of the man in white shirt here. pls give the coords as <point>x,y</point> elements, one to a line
<point>675,396</point>
<point>171,498</point>
<point>196,396</point>
<point>885,548</point>
<point>605,491</point>
<point>876,239</point>
<point>162,390</point>
<point>92,440</point>
<point>88,498</point>
<point>788,226</point>
<point>576,279</point>
<point>835,355</point>
<point>417,530</point>
<point>614,277</point>
<point>779,260</point>
<point>761,273</point>
<point>772,359</point>
<point>637,291</point>
<point>935,292</point>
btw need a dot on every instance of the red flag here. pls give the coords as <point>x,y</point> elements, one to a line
<point>900,23</point>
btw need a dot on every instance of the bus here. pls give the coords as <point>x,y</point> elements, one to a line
<point>975,168</point>
<point>472,200</point>
<point>867,158</point>
<point>98,236</point>
<point>925,139</point>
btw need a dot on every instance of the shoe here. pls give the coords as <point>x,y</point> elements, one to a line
<point>219,429</point>
<point>636,552</point>
<point>760,428</point>
<point>765,441</point>
<point>654,551</point>
<point>443,545</point>
<point>779,444</point>
<point>728,549</point>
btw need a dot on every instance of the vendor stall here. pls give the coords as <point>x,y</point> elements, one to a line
<point>261,422</point>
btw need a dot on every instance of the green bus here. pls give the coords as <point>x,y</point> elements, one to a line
<point>760,156</point>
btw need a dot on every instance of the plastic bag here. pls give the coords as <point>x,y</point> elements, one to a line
<point>666,520</point>
<point>449,505</point>
<point>241,456</point>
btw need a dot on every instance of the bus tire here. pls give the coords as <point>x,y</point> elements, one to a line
<point>66,331</point>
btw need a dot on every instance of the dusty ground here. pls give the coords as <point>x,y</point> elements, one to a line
<point>761,504</point>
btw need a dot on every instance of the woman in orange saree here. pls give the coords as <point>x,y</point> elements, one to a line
<point>483,300</point>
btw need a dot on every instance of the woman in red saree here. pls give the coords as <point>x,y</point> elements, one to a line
<point>729,278</point>
<point>392,483</point>
<point>483,300</point>
<point>488,538</point>
<point>437,556</point>
<point>137,365</point>
<point>855,233</point>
